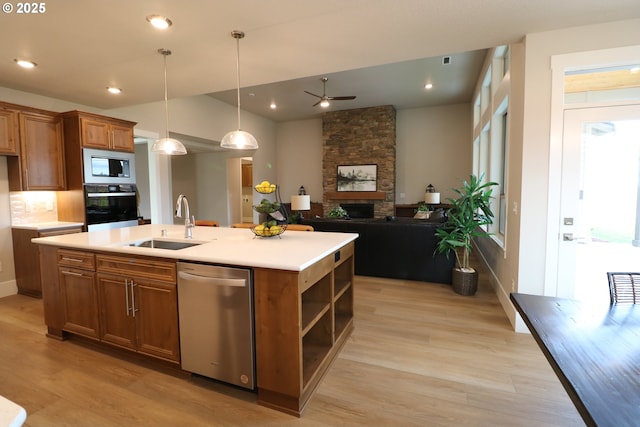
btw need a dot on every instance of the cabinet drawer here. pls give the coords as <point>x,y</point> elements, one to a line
<point>137,267</point>
<point>309,276</point>
<point>76,259</point>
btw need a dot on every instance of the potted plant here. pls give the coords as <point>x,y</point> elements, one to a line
<point>423,211</point>
<point>338,212</point>
<point>465,219</point>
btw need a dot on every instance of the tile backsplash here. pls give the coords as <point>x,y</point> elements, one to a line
<point>29,207</point>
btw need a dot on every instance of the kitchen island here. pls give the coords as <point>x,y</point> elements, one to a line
<point>303,296</point>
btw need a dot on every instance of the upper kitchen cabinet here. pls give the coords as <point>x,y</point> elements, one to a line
<point>94,131</point>
<point>40,161</point>
<point>9,136</point>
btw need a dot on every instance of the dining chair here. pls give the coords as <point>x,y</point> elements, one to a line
<point>207,223</point>
<point>243,225</point>
<point>624,287</point>
<point>299,227</point>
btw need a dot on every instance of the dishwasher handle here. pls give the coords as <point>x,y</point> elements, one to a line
<point>215,281</point>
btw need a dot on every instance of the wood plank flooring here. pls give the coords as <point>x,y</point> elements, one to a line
<point>420,355</point>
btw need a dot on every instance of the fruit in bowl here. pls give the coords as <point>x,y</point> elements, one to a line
<point>266,206</point>
<point>268,229</point>
<point>265,187</point>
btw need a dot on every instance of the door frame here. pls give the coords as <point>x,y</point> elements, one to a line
<point>559,65</point>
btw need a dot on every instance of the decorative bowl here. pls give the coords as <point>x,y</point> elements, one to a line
<point>263,230</point>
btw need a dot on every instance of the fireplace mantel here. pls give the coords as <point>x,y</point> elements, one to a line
<point>355,195</point>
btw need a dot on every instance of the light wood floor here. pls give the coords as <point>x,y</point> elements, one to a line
<point>419,356</point>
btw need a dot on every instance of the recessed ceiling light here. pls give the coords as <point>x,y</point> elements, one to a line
<point>160,22</point>
<point>273,106</point>
<point>428,86</point>
<point>114,90</point>
<point>25,63</point>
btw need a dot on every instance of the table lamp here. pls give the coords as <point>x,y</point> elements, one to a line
<point>430,196</point>
<point>300,202</point>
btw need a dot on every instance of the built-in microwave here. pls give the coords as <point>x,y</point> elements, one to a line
<point>108,167</point>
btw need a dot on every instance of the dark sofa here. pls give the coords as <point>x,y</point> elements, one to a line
<point>400,248</point>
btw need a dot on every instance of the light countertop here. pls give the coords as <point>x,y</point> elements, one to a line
<point>47,226</point>
<point>292,250</point>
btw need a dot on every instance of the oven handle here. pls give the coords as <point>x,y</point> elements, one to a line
<point>110,194</point>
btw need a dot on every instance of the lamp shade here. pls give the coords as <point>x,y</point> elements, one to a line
<point>168,146</point>
<point>239,140</point>
<point>432,198</point>
<point>301,203</point>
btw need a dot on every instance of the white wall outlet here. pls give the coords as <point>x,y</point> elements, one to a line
<point>402,195</point>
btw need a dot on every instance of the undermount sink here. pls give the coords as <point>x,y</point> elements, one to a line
<point>165,244</point>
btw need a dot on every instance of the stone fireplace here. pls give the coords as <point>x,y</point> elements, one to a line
<point>365,136</point>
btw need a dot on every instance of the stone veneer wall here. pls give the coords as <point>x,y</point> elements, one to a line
<point>362,136</point>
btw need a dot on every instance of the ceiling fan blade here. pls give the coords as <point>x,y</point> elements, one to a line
<point>317,103</point>
<point>341,98</point>
<point>312,94</point>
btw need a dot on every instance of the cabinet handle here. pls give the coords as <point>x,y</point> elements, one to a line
<point>133,299</point>
<point>72,273</point>
<point>64,258</point>
<point>126,295</point>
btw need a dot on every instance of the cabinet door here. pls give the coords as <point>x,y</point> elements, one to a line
<point>80,299</point>
<point>122,138</point>
<point>95,133</point>
<point>8,132</point>
<point>41,152</point>
<point>26,262</point>
<point>116,318</point>
<point>156,319</point>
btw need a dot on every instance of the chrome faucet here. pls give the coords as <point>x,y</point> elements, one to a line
<point>189,222</point>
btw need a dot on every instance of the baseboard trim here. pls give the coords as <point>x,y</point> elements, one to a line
<point>8,288</point>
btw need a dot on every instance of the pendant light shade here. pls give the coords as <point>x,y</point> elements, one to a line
<point>238,139</point>
<point>167,145</point>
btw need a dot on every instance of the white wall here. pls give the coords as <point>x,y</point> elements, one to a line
<point>433,146</point>
<point>299,154</point>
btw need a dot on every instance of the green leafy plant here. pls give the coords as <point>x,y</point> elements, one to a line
<point>465,219</point>
<point>338,212</point>
<point>423,207</point>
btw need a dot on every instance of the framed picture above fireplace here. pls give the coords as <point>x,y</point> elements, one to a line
<point>357,178</point>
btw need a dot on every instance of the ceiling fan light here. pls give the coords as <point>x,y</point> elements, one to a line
<point>324,103</point>
<point>160,22</point>
<point>168,146</point>
<point>239,140</point>
<point>25,63</point>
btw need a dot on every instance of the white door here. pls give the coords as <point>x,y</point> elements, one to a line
<point>600,206</point>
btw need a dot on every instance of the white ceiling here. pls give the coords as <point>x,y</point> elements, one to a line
<point>83,46</point>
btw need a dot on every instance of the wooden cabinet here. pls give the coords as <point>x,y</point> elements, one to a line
<point>9,136</point>
<point>40,163</point>
<point>76,276</point>
<point>95,131</point>
<point>27,260</point>
<point>302,321</point>
<point>139,305</point>
<point>247,175</point>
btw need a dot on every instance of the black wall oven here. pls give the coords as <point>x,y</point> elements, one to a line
<point>110,206</point>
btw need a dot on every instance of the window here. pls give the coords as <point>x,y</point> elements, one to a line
<point>491,131</point>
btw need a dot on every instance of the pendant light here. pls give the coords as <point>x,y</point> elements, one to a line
<point>167,145</point>
<point>238,139</point>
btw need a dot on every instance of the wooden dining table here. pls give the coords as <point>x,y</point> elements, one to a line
<point>594,348</point>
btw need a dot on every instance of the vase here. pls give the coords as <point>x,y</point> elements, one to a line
<point>464,282</point>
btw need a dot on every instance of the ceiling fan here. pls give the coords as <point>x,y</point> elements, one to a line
<point>324,99</point>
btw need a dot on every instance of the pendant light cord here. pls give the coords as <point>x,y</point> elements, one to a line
<point>166,99</point>
<point>238,37</point>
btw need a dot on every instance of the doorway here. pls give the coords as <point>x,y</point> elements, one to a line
<point>600,199</point>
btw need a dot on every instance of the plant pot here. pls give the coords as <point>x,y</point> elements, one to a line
<point>464,282</point>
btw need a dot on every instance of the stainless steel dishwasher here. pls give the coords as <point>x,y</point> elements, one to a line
<point>215,308</point>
